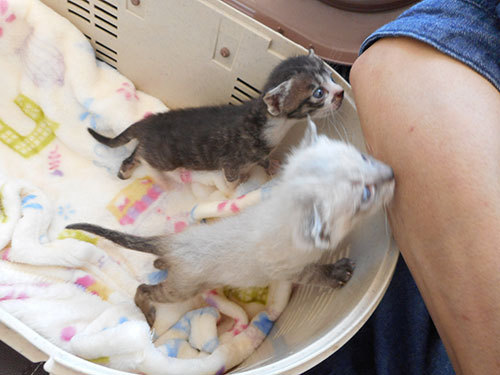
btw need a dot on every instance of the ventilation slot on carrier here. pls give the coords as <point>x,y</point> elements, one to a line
<point>103,15</point>
<point>79,10</point>
<point>106,54</point>
<point>106,17</point>
<point>108,3</point>
<point>106,27</point>
<point>242,92</point>
<point>106,13</point>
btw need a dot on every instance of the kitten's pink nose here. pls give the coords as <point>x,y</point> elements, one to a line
<point>338,96</point>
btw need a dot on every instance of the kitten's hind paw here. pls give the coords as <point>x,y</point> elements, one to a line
<point>160,264</point>
<point>150,316</point>
<point>143,300</point>
<point>340,272</point>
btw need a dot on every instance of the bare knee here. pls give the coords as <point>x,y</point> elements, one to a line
<point>389,58</point>
<point>376,89</point>
<point>368,67</point>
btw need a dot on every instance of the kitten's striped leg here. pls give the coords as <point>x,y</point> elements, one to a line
<point>331,275</point>
<point>128,166</point>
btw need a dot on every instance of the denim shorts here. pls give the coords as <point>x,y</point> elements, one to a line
<point>467,30</point>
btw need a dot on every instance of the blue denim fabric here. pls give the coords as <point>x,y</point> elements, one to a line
<point>467,30</point>
<point>398,339</point>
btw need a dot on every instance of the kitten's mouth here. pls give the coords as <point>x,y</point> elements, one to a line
<point>387,187</point>
<point>336,105</point>
<point>328,110</point>
<point>337,99</point>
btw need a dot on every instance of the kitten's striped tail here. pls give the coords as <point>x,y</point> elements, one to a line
<point>144,244</point>
<point>124,137</point>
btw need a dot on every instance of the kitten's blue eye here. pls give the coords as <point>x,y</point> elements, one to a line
<point>367,193</point>
<point>319,93</point>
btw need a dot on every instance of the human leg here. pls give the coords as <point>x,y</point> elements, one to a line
<point>437,123</point>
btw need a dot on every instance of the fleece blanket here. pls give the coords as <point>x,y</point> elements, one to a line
<point>74,288</point>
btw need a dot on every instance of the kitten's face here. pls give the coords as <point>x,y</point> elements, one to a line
<point>337,186</point>
<point>300,86</point>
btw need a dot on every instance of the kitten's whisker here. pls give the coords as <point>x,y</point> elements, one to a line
<point>341,121</point>
<point>338,132</point>
<point>386,220</point>
<point>333,124</point>
<point>321,125</point>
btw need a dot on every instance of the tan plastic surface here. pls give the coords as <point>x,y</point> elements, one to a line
<point>368,5</point>
<point>170,49</point>
<point>335,33</point>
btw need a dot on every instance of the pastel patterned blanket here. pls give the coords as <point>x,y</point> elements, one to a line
<point>76,289</point>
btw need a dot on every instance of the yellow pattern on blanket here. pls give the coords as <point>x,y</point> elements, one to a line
<point>39,138</point>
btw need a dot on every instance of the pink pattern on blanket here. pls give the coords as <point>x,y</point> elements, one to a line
<point>11,295</point>
<point>5,254</point>
<point>238,327</point>
<point>232,204</point>
<point>85,281</point>
<point>128,91</point>
<point>180,226</point>
<point>4,7</point>
<point>67,333</point>
<point>186,176</point>
<point>8,296</point>
<point>55,162</point>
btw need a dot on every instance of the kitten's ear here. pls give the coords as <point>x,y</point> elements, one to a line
<point>311,133</point>
<point>311,53</point>
<point>275,98</point>
<point>312,226</point>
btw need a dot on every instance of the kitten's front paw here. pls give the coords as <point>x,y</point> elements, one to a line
<point>124,174</point>
<point>341,271</point>
<point>121,175</point>
<point>273,167</point>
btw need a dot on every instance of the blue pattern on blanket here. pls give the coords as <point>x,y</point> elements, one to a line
<point>93,117</point>
<point>263,323</point>
<point>157,277</point>
<point>172,346</point>
<point>26,202</point>
<point>184,328</point>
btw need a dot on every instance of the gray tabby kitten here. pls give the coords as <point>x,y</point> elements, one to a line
<point>231,138</point>
<point>325,188</point>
